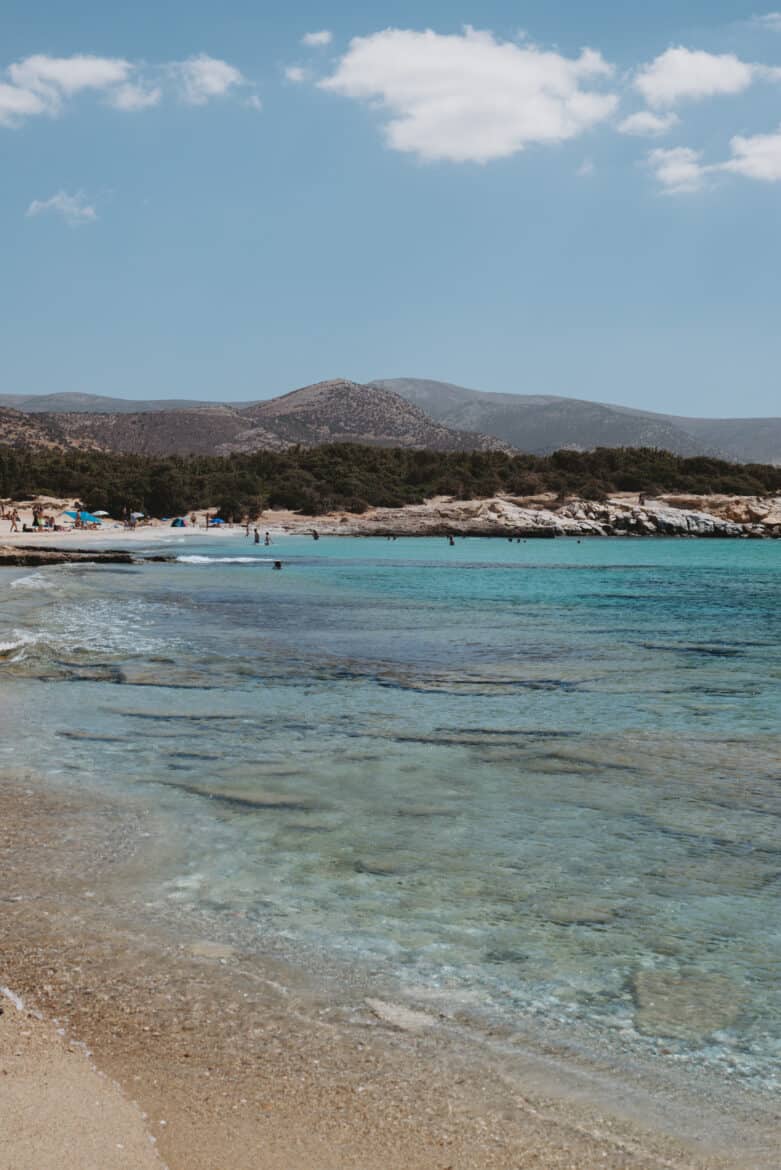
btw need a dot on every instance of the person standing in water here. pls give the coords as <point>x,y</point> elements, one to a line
<point>257,537</point>
<point>267,540</point>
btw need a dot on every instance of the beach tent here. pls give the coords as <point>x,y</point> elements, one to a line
<point>216,520</point>
<point>178,523</point>
<point>85,517</point>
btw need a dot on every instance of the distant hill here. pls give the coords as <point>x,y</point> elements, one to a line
<point>329,412</point>
<point>405,412</point>
<point>341,411</point>
<point>540,423</point>
<point>96,404</point>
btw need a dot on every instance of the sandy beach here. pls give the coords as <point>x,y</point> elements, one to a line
<point>228,1062</point>
<point>228,1065</point>
<point>622,515</point>
<point>57,1109</point>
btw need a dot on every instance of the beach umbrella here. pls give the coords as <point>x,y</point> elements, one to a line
<point>136,515</point>
<point>100,512</point>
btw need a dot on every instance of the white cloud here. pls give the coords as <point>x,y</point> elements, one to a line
<point>42,84</point>
<point>68,75</point>
<point>684,74</point>
<point>679,170</point>
<point>296,74</point>
<point>586,169</point>
<point>202,78</point>
<point>756,157</point>
<point>135,97</point>
<point>646,124</point>
<point>253,102</point>
<point>73,208</point>
<point>469,97</point>
<point>16,104</point>
<point>317,39</point>
<point>770,20</point>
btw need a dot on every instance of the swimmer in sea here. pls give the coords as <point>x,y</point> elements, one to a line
<point>277,564</point>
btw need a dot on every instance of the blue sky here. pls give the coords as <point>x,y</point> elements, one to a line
<point>196,203</point>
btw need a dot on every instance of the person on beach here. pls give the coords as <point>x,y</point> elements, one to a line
<point>14,521</point>
<point>257,537</point>
<point>267,540</point>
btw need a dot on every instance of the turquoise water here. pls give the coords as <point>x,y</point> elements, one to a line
<point>535,781</point>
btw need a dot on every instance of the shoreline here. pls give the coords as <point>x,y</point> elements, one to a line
<point>237,1062</point>
<point>622,515</point>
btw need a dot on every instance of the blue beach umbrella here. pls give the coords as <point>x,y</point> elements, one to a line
<point>88,516</point>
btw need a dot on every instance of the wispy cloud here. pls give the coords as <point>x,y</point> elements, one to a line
<point>74,209</point>
<point>42,84</point>
<point>470,97</point>
<point>317,39</point>
<point>647,124</point>
<point>754,156</point>
<point>202,78</point>
<point>678,170</point>
<point>768,20</point>
<point>135,97</point>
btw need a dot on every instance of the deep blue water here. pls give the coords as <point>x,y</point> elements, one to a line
<point>519,778</point>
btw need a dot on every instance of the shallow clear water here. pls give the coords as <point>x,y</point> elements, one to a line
<point>538,780</point>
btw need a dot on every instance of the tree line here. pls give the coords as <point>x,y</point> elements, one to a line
<point>315,480</point>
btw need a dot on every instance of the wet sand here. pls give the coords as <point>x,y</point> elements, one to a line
<point>242,1065</point>
<point>56,1109</point>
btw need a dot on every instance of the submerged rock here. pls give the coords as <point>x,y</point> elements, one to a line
<point>687,1005</point>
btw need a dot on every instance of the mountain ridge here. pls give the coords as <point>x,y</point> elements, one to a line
<point>339,410</point>
<point>336,411</point>
<point>540,424</point>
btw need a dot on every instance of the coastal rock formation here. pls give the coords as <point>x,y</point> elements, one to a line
<point>499,516</point>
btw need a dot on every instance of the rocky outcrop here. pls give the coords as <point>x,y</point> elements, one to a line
<point>33,557</point>
<point>618,516</point>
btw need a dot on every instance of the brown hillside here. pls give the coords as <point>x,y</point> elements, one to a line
<point>341,411</point>
<point>329,412</point>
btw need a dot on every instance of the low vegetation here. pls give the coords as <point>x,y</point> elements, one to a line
<point>346,476</point>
